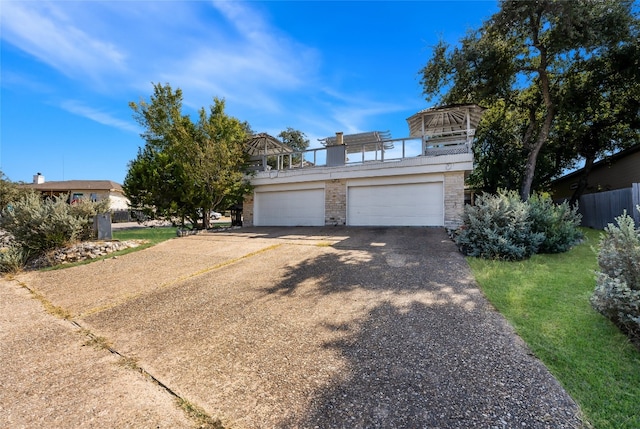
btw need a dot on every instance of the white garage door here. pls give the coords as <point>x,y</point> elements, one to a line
<point>409,204</point>
<point>303,207</point>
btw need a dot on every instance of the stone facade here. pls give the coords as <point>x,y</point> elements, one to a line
<point>449,170</point>
<point>453,199</point>
<point>247,211</point>
<point>335,202</point>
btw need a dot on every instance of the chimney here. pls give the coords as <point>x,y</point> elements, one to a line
<point>38,179</point>
<point>339,139</point>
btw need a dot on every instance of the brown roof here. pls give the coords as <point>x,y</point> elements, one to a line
<point>77,185</point>
<point>603,162</point>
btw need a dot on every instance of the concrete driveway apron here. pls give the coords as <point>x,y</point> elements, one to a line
<point>316,327</point>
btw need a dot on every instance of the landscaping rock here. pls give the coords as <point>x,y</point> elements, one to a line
<point>82,251</point>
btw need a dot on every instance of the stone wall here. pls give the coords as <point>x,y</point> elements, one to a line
<point>335,202</point>
<point>247,210</point>
<point>453,199</point>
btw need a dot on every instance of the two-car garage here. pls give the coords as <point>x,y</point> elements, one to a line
<point>391,201</point>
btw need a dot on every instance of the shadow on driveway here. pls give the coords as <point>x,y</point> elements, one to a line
<point>430,351</point>
<point>318,327</point>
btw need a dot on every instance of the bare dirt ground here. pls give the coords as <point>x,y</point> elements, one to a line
<point>272,328</point>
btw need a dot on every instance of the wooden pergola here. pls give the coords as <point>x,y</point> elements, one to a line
<point>367,141</point>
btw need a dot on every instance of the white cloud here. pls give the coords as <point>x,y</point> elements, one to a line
<point>43,30</point>
<point>236,55</point>
<point>119,48</point>
<point>101,117</point>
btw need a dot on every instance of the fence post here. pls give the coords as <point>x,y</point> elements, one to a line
<point>635,202</point>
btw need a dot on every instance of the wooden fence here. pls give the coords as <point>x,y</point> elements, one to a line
<point>118,216</point>
<point>601,208</point>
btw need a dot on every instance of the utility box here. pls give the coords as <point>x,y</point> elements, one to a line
<point>102,224</point>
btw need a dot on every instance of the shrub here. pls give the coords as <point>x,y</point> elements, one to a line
<point>12,259</point>
<point>558,222</point>
<point>498,227</point>
<point>10,191</point>
<point>617,292</point>
<point>39,225</point>
<point>86,210</point>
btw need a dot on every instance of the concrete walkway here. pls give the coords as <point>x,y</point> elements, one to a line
<point>272,328</point>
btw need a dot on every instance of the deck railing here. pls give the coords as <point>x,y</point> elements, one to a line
<point>358,154</point>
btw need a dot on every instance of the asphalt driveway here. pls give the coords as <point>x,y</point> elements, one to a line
<point>283,328</point>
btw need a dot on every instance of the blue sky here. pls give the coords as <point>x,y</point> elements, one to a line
<point>70,68</point>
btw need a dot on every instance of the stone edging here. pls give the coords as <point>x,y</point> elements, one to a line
<point>83,251</point>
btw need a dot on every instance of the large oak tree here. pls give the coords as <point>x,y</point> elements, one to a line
<point>522,57</point>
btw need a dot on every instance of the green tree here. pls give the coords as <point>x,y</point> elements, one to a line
<point>522,56</point>
<point>600,107</point>
<point>186,169</point>
<point>296,140</point>
<point>498,151</point>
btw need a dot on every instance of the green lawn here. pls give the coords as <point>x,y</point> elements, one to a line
<point>546,299</point>
<point>152,235</point>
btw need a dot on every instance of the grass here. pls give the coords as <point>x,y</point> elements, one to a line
<point>546,299</point>
<point>150,236</point>
<point>95,341</point>
<point>153,236</point>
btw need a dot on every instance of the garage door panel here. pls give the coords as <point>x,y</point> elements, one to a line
<point>302,207</point>
<point>413,204</point>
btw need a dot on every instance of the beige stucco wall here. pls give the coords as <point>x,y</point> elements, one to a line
<point>118,201</point>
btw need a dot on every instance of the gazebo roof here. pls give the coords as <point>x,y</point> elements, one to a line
<point>355,142</point>
<point>445,119</point>
<point>263,144</point>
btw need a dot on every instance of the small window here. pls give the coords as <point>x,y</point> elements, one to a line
<point>94,197</point>
<point>77,196</point>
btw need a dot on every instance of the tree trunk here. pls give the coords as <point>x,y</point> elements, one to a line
<point>532,157</point>
<point>205,219</point>
<point>530,167</point>
<point>583,182</point>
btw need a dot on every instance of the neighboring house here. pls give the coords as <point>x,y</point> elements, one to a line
<point>618,171</point>
<point>613,188</point>
<point>370,179</point>
<point>94,190</point>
